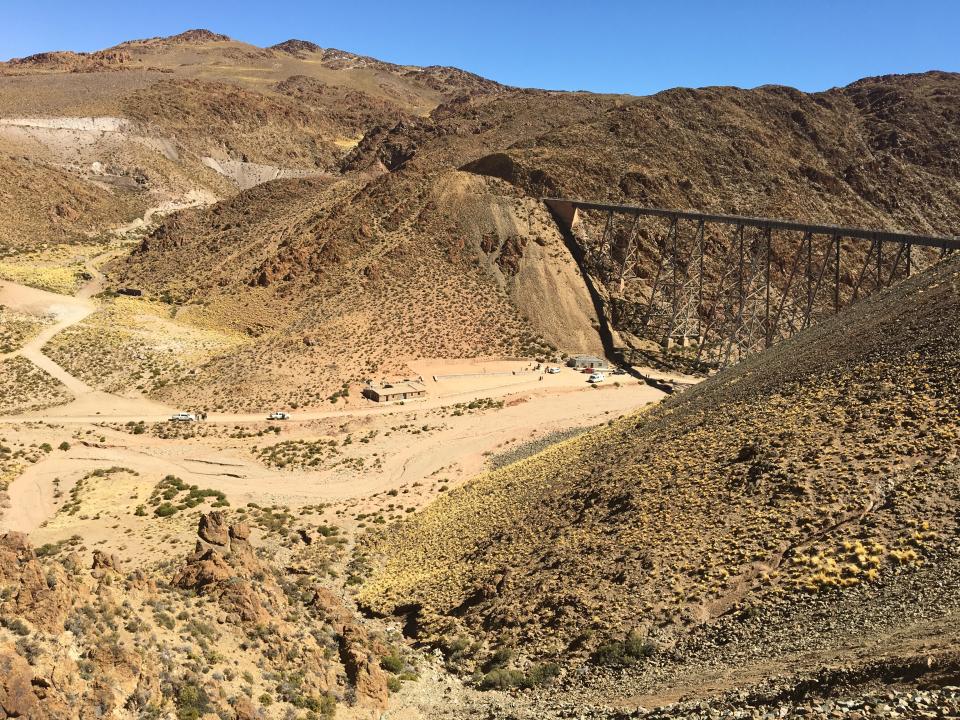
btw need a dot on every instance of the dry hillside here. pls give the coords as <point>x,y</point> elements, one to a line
<point>260,113</point>
<point>196,223</point>
<point>817,480</point>
<point>220,631</point>
<point>463,183</point>
<point>405,219</point>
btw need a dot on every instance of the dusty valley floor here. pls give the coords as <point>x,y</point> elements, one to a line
<point>83,468</point>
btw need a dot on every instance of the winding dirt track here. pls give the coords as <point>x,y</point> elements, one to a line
<point>68,311</point>
<point>535,405</point>
<point>92,406</point>
<point>456,447</point>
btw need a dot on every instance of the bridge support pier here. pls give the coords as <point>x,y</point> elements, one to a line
<point>565,212</point>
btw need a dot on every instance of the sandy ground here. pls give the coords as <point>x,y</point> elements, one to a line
<point>68,311</point>
<point>447,382</point>
<point>65,310</point>
<point>456,447</point>
<point>390,458</point>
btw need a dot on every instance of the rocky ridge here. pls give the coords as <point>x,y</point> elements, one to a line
<point>106,640</point>
<point>712,530</point>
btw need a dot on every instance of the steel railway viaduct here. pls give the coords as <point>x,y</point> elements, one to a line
<point>724,286</point>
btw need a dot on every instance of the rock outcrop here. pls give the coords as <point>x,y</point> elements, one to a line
<point>78,643</point>
<point>213,529</point>
<point>223,566</point>
<point>41,596</point>
<point>104,563</point>
<point>17,698</point>
<point>357,653</point>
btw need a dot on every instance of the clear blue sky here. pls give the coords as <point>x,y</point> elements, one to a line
<point>615,46</point>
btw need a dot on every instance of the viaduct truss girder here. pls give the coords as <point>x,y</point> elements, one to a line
<point>736,295</point>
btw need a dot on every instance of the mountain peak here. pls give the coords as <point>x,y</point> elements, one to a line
<point>295,46</point>
<point>197,35</point>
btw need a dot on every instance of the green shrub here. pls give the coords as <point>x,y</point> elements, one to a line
<point>64,446</point>
<point>506,679</point>
<point>542,673</point>
<point>502,679</point>
<point>47,550</point>
<point>192,701</point>
<point>635,647</point>
<point>324,706</point>
<point>165,619</point>
<point>165,510</point>
<point>392,662</point>
<point>17,627</point>
<point>501,658</point>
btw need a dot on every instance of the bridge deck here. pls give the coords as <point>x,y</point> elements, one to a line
<point>945,243</point>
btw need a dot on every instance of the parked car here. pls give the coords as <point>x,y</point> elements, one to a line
<point>588,371</point>
<point>278,415</point>
<point>553,370</point>
<point>183,417</point>
<point>595,378</point>
<point>619,371</point>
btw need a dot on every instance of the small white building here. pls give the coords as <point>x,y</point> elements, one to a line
<point>389,392</point>
<point>581,362</point>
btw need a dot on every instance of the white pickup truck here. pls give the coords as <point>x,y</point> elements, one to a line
<point>278,415</point>
<point>183,417</point>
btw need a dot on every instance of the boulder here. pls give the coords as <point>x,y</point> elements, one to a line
<point>240,547</point>
<point>243,709</point>
<point>357,653</point>
<point>17,698</point>
<point>213,528</point>
<point>41,596</point>
<point>103,562</point>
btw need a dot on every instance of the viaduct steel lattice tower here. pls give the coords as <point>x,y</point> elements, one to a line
<point>746,284</point>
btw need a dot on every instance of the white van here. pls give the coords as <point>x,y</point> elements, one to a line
<point>596,377</point>
<point>183,417</point>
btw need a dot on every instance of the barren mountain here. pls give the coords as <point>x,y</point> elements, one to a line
<point>464,183</point>
<point>814,484</point>
<point>199,110</point>
<point>423,194</point>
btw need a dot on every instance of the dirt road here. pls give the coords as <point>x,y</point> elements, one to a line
<point>416,446</point>
<point>66,310</point>
<point>457,448</point>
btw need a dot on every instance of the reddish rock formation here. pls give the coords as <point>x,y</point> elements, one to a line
<point>41,598</point>
<point>17,698</point>
<point>240,547</point>
<point>357,653</point>
<point>225,570</point>
<point>103,563</point>
<point>213,528</point>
